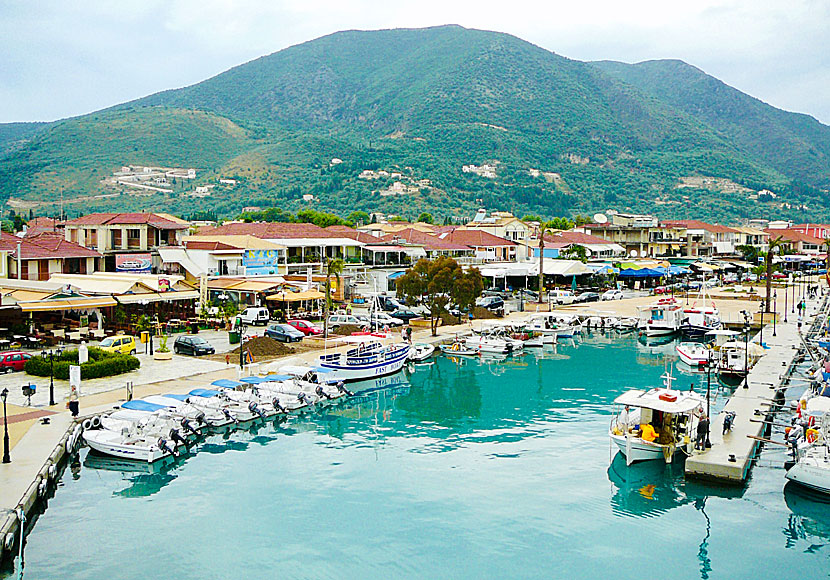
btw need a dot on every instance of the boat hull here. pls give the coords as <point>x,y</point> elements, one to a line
<point>812,470</point>
<point>639,450</point>
<point>124,451</point>
<point>349,373</point>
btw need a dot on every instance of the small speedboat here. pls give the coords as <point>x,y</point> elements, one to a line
<point>421,351</point>
<point>127,445</point>
<point>457,348</point>
<point>812,469</point>
<point>694,354</point>
<point>488,344</point>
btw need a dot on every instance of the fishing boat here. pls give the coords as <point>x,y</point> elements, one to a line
<point>701,318</point>
<point>734,360</point>
<point>421,351</point>
<point>663,318</point>
<point>457,348</point>
<point>553,323</point>
<point>368,359</point>
<point>488,344</point>
<point>653,424</point>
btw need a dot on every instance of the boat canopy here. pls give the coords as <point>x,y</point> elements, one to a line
<point>139,405</point>
<point>684,403</point>
<point>277,378</point>
<point>301,370</point>
<point>254,380</point>
<point>203,393</point>
<point>176,396</point>
<point>226,383</point>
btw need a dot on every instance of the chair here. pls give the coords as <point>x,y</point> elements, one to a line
<point>98,333</point>
<point>59,333</point>
<point>84,330</point>
<point>74,336</point>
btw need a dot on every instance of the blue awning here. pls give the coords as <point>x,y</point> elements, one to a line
<point>177,397</point>
<point>394,275</point>
<point>226,383</point>
<point>642,273</point>
<point>253,380</point>
<point>139,405</point>
<point>203,393</point>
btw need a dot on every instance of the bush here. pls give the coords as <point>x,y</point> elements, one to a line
<point>100,364</point>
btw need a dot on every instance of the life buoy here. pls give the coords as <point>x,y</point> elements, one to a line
<point>812,435</point>
<point>455,346</point>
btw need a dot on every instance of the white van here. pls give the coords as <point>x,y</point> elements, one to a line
<point>561,296</point>
<point>255,315</point>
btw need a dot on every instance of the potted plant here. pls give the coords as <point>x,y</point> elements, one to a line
<point>162,352</point>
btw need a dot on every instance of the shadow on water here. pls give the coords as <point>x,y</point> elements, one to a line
<point>809,520</point>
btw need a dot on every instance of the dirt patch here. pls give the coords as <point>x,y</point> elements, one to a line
<point>264,346</point>
<point>347,329</point>
<point>483,313</point>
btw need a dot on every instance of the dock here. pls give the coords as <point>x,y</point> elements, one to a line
<point>731,455</point>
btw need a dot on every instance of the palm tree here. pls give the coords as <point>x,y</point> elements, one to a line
<point>773,245</point>
<point>334,267</point>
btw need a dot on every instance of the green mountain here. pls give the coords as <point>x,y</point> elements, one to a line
<point>387,120</point>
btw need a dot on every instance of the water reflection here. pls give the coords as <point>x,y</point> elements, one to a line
<point>647,488</point>
<point>810,518</point>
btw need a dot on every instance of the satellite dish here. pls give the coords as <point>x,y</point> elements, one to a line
<point>600,218</point>
<point>633,253</point>
<point>587,251</point>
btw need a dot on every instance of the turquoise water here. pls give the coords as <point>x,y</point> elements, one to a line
<point>462,469</point>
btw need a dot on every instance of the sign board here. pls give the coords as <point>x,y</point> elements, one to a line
<point>84,320</point>
<point>261,262</point>
<point>136,263</point>
<point>164,284</point>
<point>75,377</point>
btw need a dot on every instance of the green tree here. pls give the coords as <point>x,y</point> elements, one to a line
<point>560,223</point>
<point>358,218</point>
<point>426,218</point>
<point>436,283</point>
<point>774,244</point>
<point>576,252</point>
<point>334,267</point>
<point>749,253</point>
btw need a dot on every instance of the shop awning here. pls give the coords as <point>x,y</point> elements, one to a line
<point>67,304</point>
<point>395,275</point>
<point>157,297</point>
<point>296,296</point>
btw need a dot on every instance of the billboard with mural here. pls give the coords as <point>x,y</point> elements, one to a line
<point>137,263</point>
<point>261,262</point>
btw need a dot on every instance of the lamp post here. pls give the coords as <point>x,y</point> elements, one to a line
<point>761,339</point>
<point>6,457</point>
<point>786,287</point>
<point>708,394</point>
<point>746,349</point>
<point>774,311</point>
<point>241,328</point>
<point>50,354</point>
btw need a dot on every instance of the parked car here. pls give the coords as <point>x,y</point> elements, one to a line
<point>306,327</point>
<point>405,314</point>
<point>193,345</point>
<point>528,295</point>
<point>255,315</point>
<point>490,302</point>
<point>338,320</point>
<point>120,343</point>
<point>284,333</point>
<point>587,297</point>
<point>612,295</point>
<point>388,303</point>
<point>13,360</point>
<point>561,296</point>
<point>383,319</point>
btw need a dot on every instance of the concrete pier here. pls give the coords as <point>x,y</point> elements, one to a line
<point>730,457</point>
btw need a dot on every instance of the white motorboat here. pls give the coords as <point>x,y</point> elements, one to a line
<point>812,469</point>
<point>286,386</point>
<point>488,344</point>
<point>177,406</point>
<point>734,359</point>
<point>215,400</point>
<point>368,360</point>
<point>694,354</point>
<point>457,348</point>
<point>128,446</point>
<point>701,318</point>
<point>421,351</point>
<point>663,318</point>
<point>553,323</point>
<point>654,423</point>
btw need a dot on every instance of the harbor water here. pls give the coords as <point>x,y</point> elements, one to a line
<point>460,468</point>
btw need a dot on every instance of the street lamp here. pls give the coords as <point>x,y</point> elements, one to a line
<point>746,348</point>
<point>774,311</point>
<point>50,355</point>
<point>6,457</point>
<point>786,287</point>
<point>761,339</point>
<point>708,395</point>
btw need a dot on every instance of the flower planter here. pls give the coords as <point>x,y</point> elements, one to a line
<point>162,355</point>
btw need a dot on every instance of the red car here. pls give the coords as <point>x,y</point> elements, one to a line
<point>306,327</point>
<point>13,360</point>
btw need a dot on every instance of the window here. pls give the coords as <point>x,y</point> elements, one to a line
<point>133,234</point>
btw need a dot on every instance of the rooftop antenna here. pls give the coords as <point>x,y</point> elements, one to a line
<point>600,218</point>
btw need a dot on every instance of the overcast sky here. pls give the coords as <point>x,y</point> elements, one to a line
<point>66,57</point>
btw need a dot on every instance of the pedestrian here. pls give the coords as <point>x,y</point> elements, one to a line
<point>73,403</point>
<point>408,334</point>
<point>349,309</point>
<point>702,432</point>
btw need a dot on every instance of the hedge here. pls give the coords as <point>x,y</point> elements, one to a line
<point>100,364</point>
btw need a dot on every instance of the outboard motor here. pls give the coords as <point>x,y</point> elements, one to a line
<point>175,436</point>
<point>321,393</point>
<point>303,398</point>
<point>276,402</point>
<point>254,408</point>
<point>188,426</point>
<point>728,421</point>
<point>200,418</point>
<point>341,386</point>
<point>165,445</point>
<point>229,416</point>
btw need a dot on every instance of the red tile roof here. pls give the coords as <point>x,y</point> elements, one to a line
<point>271,230</point>
<point>347,232</point>
<point>794,236</point>
<point>699,225</point>
<point>476,239</point>
<point>42,224</point>
<point>572,237</point>
<point>119,219</point>
<point>45,245</point>
<point>428,241</point>
<point>212,246</point>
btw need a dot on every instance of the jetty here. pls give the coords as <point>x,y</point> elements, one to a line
<point>731,455</point>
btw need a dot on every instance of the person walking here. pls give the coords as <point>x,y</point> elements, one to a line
<point>702,432</point>
<point>74,404</point>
